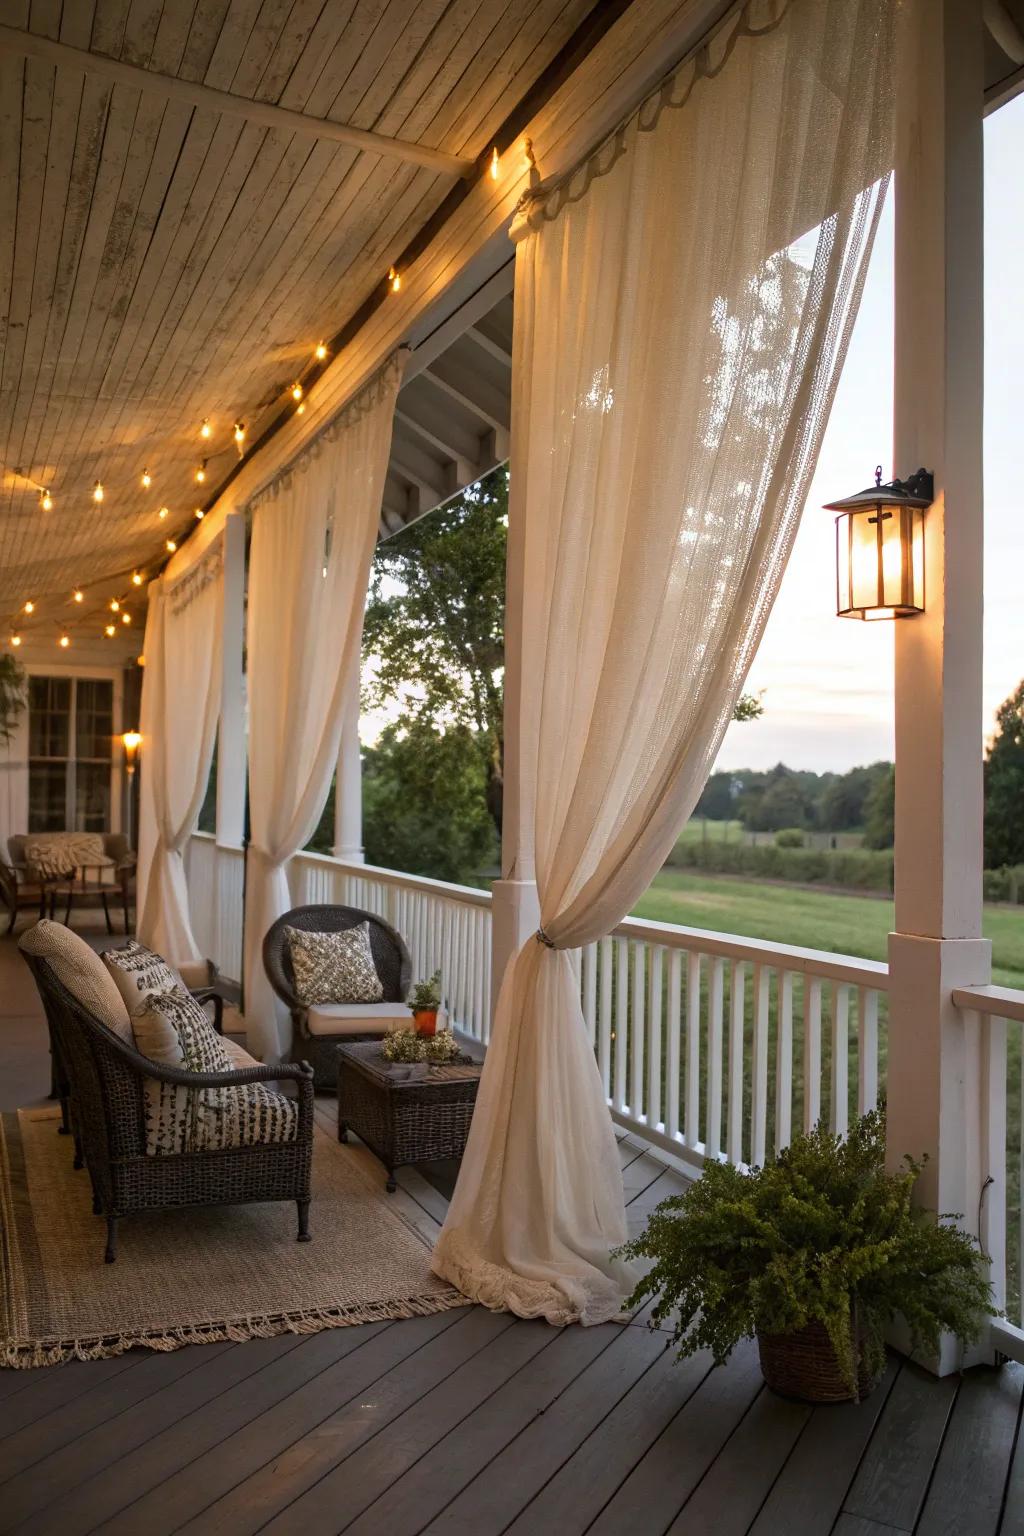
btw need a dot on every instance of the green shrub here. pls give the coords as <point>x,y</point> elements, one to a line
<point>789,837</point>
<point>856,868</point>
<point>815,1234</point>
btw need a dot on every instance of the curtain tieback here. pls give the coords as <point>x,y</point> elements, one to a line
<point>542,938</point>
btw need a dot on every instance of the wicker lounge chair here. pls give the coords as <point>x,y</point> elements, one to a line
<point>318,1033</point>
<point>106,1079</point>
<point>87,882</point>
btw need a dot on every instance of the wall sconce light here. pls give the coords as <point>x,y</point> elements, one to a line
<point>131,741</point>
<point>880,548</point>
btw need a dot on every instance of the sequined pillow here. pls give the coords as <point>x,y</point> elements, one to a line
<point>334,967</point>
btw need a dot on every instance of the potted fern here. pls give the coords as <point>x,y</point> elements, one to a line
<point>813,1255</point>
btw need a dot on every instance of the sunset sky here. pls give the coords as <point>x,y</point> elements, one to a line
<point>828,682</point>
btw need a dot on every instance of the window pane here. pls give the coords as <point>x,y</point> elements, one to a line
<point>92,797</point>
<point>94,719</point>
<point>47,783</point>
<point>49,716</point>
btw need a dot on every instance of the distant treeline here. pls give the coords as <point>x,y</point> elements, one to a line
<point>860,800</point>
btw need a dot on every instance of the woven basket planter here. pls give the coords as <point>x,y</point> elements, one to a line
<point>804,1365</point>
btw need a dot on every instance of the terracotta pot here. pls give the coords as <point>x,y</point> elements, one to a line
<point>804,1365</point>
<point>426,1020</point>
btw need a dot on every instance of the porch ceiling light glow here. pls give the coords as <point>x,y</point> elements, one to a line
<point>45,500</point>
<point>97,491</point>
<point>880,548</point>
<point>147,479</point>
<point>15,639</point>
<point>131,741</point>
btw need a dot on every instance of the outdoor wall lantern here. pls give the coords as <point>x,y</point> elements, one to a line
<point>880,548</point>
<point>131,741</point>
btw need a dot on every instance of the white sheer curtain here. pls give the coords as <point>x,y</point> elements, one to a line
<point>181,689</point>
<point>309,565</point>
<point>676,355</point>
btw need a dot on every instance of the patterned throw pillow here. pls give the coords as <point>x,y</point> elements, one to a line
<point>334,967</point>
<point>180,1119</point>
<point>55,855</point>
<point>138,973</point>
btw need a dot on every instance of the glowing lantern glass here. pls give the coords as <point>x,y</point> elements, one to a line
<point>880,548</point>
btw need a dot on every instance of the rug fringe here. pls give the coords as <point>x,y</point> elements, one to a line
<point>25,1354</point>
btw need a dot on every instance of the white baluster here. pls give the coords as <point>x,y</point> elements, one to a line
<point>759,1066</point>
<point>636,1032</point>
<point>867,1049</point>
<point>604,1056</point>
<point>655,1117</point>
<point>691,1119</point>
<point>734,1136</point>
<point>784,1063</point>
<point>675,981</point>
<point>713,1140</point>
<point>621,1022</point>
<point>812,1051</point>
<point>839,1118</point>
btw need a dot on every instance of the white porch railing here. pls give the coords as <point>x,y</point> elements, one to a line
<point>216,880</point>
<point>717,1046</point>
<point>996,1014</point>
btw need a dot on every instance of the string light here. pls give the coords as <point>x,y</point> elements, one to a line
<point>147,479</point>
<point>300,410</point>
<point>97,491</point>
<point>136,578</point>
<point>171,546</point>
<point>494,163</point>
<point>200,514</point>
<point>126,617</point>
<point>45,500</point>
<point>30,606</point>
<point>77,595</point>
<point>296,390</point>
<point>140,661</point>
<point>321,351</point>
<point>15,639</point>
<point>64,642</point>
<point>201,473</point>
<point>110,631</point>
<point>239,433</point>
<point>162,513</point>
<point>394,279</point>
<point>205,430</point>
<point>114,605</point>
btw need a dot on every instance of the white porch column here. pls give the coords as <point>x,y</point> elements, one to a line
<point>515,910</point>
<point>937,944</point>
<point>231,750</point>
<point>348,787</point>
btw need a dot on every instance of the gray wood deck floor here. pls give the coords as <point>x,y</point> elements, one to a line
<point>470,1423</point>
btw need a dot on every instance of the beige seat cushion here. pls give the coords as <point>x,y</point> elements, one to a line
<point>239,1055</point>
<point>81,971</point>
<point>358,1018</point>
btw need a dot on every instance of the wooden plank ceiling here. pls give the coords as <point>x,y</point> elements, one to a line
<point>163,263</point>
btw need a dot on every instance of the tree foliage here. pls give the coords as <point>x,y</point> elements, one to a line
<point>1004,785</point>
<point>435,627</point>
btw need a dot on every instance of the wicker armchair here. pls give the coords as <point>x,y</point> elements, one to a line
<point>87,881</point>
<point>390,957</point>
<point>19,894</point>
<point>108,1121</point>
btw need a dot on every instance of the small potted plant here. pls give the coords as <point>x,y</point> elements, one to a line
<point>425,1000</point>
<point>813,1255</point>
<point>401,1047</point>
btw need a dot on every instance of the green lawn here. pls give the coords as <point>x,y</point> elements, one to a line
<point>851,925</point>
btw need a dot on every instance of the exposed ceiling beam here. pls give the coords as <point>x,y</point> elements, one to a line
<point>29,45</point>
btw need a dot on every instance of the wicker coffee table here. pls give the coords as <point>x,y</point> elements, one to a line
<point>404,1120</point>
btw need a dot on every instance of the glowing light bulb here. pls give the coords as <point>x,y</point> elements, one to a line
<point>114,605</point>
<point>201,473</point>
<point>140,661</point>
<point>15,639</point>
<point>126,618</point>
<point>239,432</point>
<point>110,630</point>
<point>200,514</point>
<point>147,479</point>
<point>205,430</point>
<point>77,595</point>
<point>30,606</point>
<point>296,390</point>
<point>300,409</point>
<point>162,513</point>
<point>321,351</point>
<point>97,491</point>
<point>45,500</point>
<point>64,642</point>
<point>171,546</point>
<point>394,279</point>
<point>494,163</point>
<point>136,578</point>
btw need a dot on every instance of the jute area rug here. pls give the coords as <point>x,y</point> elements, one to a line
<point>194,1276</point>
